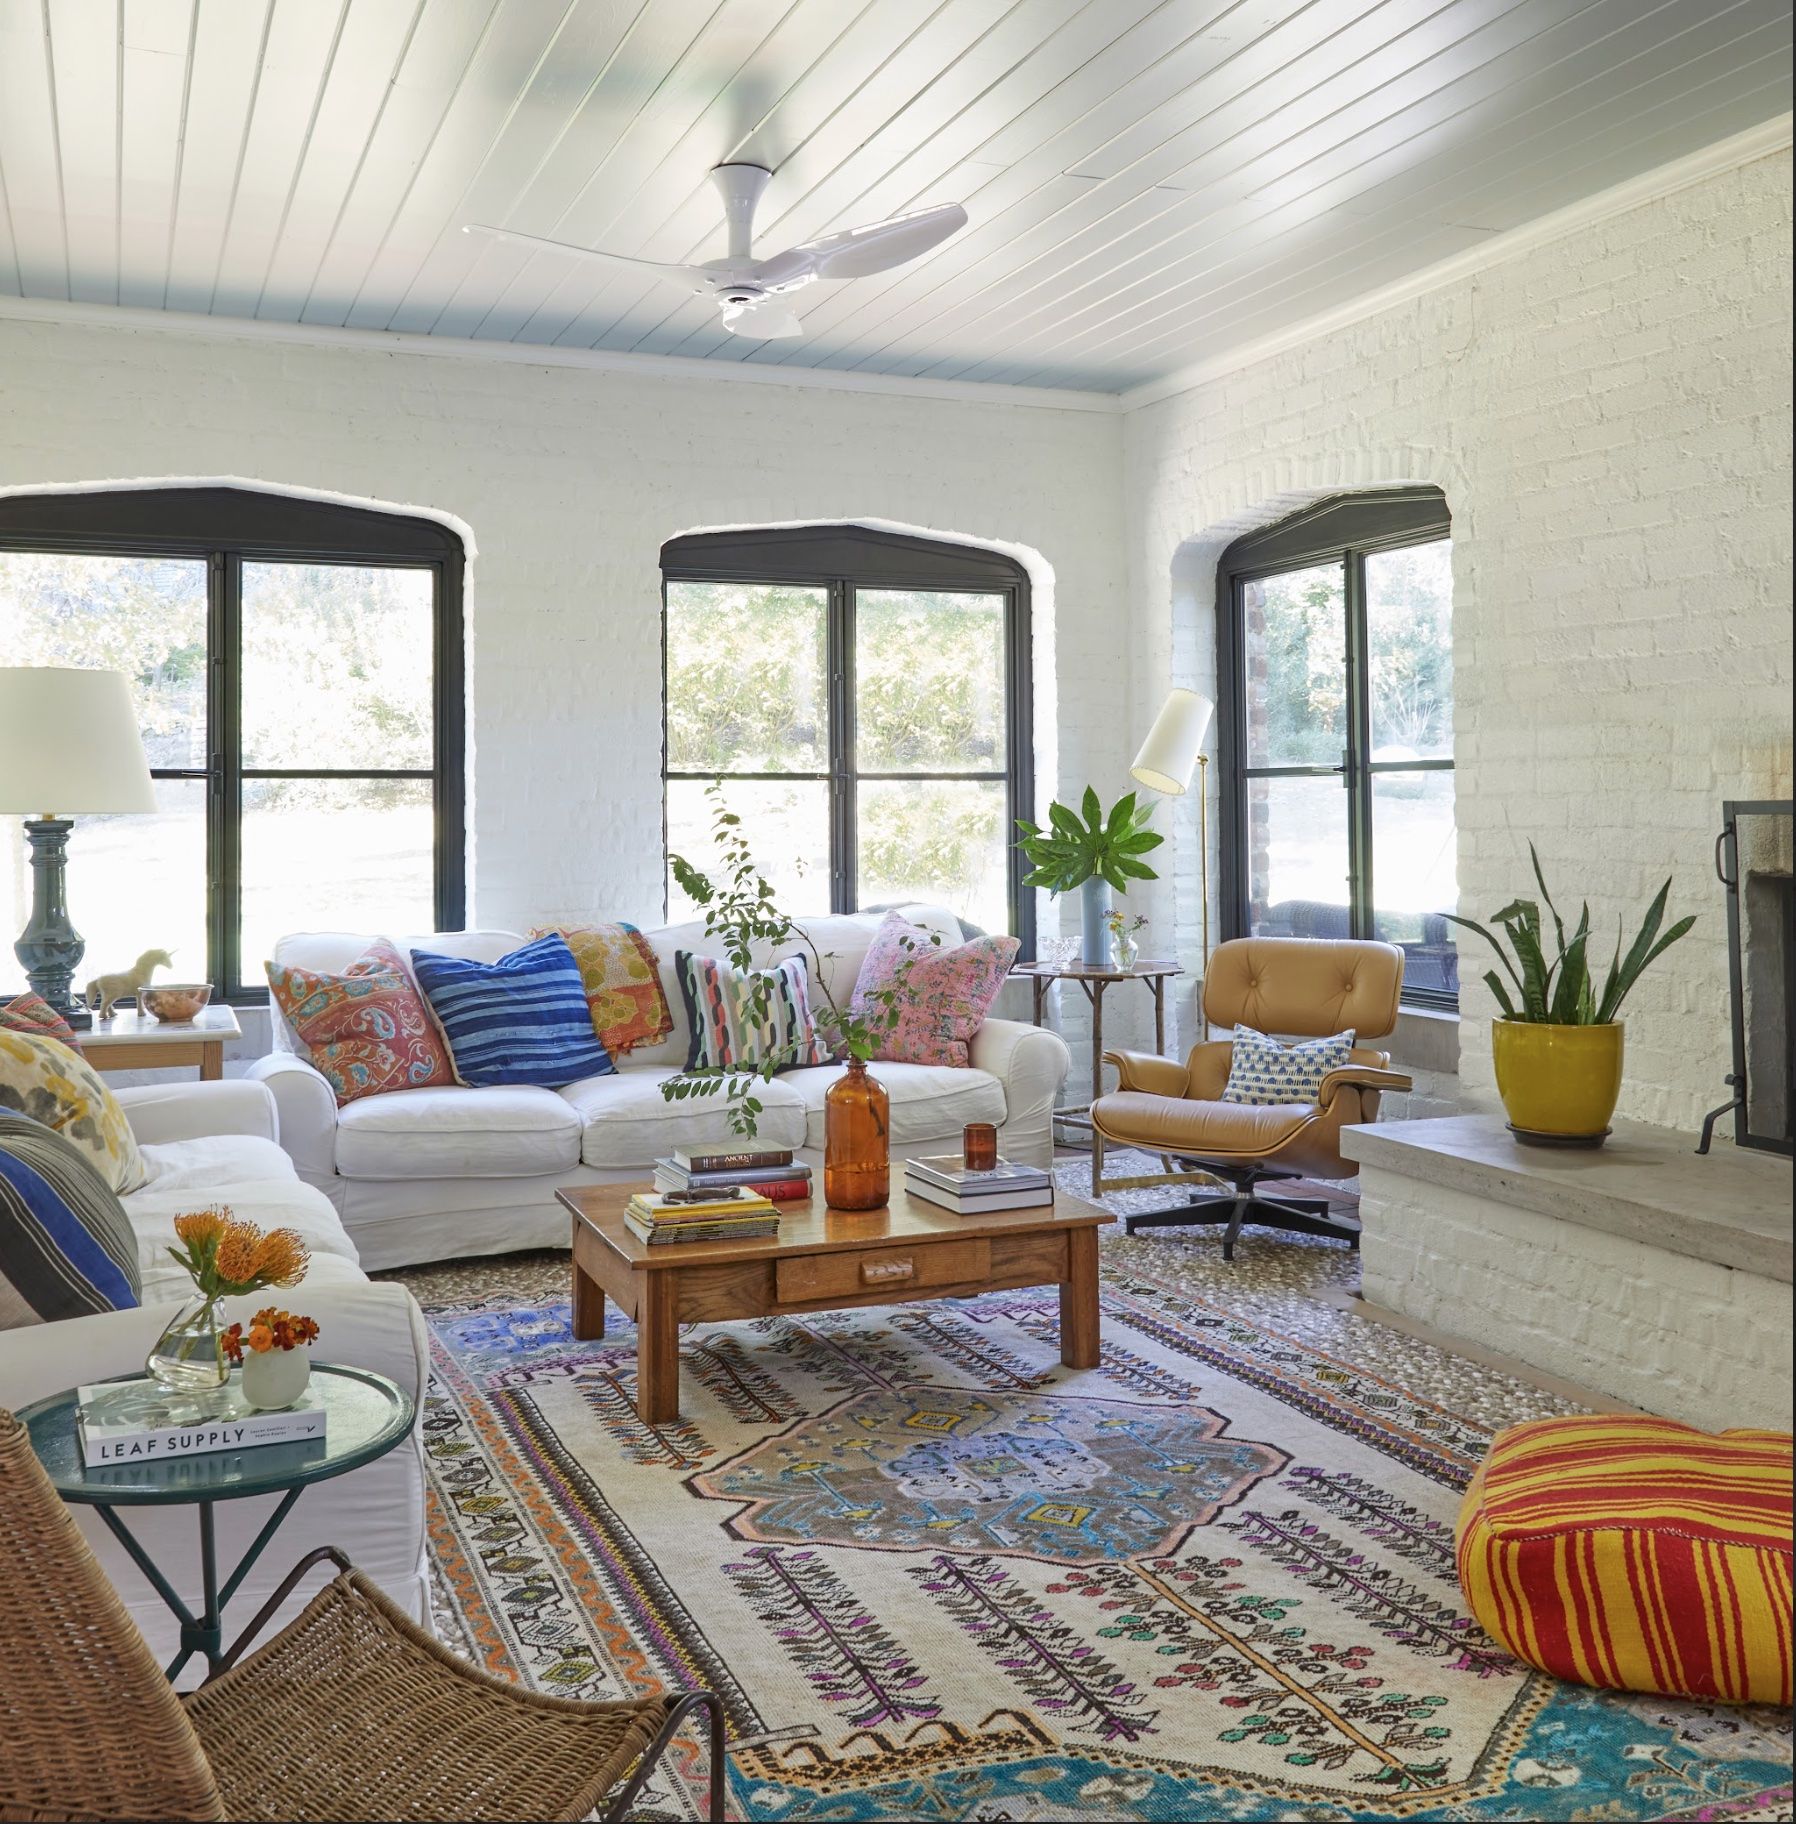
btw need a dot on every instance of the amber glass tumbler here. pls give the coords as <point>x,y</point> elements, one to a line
<point>979,1147</point>
<point>857,1158</point>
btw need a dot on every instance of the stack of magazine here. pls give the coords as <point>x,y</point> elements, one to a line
<point>135,1423</point>
<point>733,1214</point>
<point>943,1178</point>
<point>772,1171</point>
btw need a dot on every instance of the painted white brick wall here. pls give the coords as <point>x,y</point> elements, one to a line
<point>1609,417</point>
<point>570,480</point>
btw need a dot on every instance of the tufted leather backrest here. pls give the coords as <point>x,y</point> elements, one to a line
<point>1304,986</point>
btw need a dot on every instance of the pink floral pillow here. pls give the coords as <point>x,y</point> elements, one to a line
<point>943,995</point>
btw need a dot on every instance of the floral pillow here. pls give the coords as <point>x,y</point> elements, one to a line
<point>30,1012</point>
<point>366,1031</point>
<point>44,1079</point>
<point>943,995</point>
<point>623,984</point>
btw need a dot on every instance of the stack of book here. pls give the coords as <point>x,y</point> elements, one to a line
<point>733,1214</point>
<point>944,1179</point>
<point>134,1423</point>
<point>771,1171</point>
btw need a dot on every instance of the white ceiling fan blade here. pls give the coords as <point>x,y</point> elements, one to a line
<point>690,276</point>
<point>856,252</point>
<point>768,319</point>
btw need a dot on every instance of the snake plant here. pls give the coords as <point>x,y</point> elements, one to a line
<point>1562,991</point>
<point>1077,845</point>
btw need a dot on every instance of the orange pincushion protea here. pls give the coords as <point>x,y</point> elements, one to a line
<point>282,1258</point>
<point>227,1256</point>
<point>202,1226</point>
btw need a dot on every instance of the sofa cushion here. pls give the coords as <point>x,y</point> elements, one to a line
<point>66,1247</point>
<point>507,1131</point>
<point>629,1123</point>
<point>929,1101</point>
<point>623,984</point>
<point>255,1180</point>
<point>928,1000</point>
<point>30,1012</point>
<point>1264,1073</point>
<point>726,1029</point>
<point>42,1078</point>
<point>520,1021</point>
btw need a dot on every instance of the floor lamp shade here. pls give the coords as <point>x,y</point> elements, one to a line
<point>69,743</point>
<point>1174,744</point>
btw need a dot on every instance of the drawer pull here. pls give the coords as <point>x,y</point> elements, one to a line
<point>880,1272</point>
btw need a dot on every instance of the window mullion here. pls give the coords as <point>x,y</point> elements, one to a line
<point>1359,748</point>
<point>842,870</point>
<point>228,748</point>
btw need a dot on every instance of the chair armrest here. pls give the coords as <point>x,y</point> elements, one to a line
<point>308,1114</point>
<point>1029,1061</point>
<point>1146,1070</point>
<point>163,1112</point>
<point>1359,1076</point>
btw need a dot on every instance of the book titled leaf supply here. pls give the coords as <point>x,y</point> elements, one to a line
<point>125,1425</point>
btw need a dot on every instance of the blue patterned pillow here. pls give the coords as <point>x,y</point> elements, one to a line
<point>523,1019</point>
<point>66,1245</point>
<point>1264,1072</point>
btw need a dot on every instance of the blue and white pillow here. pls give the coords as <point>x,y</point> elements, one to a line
<point>66,1245</point>
<point>523,1019</point>
<point>1264,1072</point>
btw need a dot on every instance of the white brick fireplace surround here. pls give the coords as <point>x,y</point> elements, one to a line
<point>1639,1270</point>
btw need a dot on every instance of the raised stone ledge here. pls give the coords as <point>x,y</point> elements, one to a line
<point>1731,1208</point>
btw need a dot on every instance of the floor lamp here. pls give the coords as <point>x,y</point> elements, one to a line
<point>68,742</point>
<point>1172,752</point>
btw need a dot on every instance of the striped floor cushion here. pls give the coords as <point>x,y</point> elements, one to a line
<point>1636,1554</point>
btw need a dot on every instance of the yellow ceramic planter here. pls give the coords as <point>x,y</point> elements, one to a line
<point>1559,1080</point>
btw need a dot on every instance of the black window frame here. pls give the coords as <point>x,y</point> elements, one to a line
<point>1343,529</point>
<point>841,560</point>
<point>226,527</point>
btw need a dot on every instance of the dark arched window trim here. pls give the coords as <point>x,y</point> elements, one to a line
<point>1341,529</point>
<point>841,559</point>
<point>225,525</point>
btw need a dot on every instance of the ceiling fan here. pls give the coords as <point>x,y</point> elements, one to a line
<point>751,292</point>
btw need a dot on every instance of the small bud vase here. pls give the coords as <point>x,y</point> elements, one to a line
<point>273,1378</point>
<point>188,1357</point>
<point>857,1157</point>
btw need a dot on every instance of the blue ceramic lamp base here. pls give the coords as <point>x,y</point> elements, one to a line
<point>50,947</point>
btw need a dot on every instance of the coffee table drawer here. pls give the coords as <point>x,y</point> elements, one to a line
<point>897,1270</point>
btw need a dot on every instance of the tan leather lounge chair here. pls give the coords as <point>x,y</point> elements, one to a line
<point>1297,988</point>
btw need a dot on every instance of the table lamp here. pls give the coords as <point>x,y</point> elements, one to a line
<point>68,743</point>
<point>1172,752</point>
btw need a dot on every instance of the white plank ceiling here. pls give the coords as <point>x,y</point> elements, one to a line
<point>1150,182</point>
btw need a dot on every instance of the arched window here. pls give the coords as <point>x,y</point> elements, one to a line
<point>298,672</point>
<point>864,698</point>
<point>1335,655</point>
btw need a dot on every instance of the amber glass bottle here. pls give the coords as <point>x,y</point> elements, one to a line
<point>857,1159</point>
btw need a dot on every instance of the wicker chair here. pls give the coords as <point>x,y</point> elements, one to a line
<point>353,1712</point>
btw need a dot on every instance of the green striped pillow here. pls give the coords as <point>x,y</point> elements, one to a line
<point>725,1031</point>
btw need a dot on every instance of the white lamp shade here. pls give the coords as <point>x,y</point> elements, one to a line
<point>1168,756</point>
<point>69,743</point>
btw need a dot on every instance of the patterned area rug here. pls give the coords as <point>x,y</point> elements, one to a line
<point>936,1575</point>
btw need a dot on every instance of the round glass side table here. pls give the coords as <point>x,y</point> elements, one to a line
<point>367,1415</point>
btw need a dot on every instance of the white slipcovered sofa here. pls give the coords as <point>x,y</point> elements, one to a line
<point>432,1174</point>
<point>207,1143</point>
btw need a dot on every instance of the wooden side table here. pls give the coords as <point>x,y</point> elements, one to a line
<point>131,1040</point>
<point>1042,977</point>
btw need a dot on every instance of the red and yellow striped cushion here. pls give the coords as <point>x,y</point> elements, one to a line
<point>1636,1554</point>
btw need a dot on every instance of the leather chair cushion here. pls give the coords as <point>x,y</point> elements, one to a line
<point>1209,1130</point>
<point>1305,987</point>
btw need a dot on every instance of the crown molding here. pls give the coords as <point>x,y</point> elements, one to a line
<point>1762,141</point>
<point>190,324</point>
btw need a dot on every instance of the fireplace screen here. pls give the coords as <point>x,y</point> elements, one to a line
<point>1752,856</point>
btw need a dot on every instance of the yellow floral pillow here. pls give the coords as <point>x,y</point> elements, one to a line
<point>42,1078</point>
<point>623,985</point>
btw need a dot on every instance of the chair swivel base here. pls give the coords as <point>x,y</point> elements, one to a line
<point>1233,1210</point>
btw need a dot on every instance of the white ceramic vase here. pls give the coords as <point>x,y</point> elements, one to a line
<point>276,1377</point>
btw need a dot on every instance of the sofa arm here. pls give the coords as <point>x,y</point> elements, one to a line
<point>163,1112</point>
<point>1032,1063</point>
<point>308,1114</point>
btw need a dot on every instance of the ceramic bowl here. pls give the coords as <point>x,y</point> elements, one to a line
<point>174,1001</point>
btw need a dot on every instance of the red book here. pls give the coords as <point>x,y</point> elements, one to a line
<point>782,1190</point>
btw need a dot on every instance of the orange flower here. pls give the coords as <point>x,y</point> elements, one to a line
<point>260,1338</point>
<point>202,1226</point>
<point>282,1258</point>
<point>238,1247</point>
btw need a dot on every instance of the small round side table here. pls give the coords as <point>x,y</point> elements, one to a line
<point>367,1415</point>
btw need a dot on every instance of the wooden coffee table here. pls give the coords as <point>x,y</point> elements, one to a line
<point>823,1260</point>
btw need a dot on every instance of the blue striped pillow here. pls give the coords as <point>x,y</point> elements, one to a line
<point>66,1245</point>
<point>523,1019</point>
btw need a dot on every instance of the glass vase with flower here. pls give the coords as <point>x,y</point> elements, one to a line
<point>226,1258</point>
